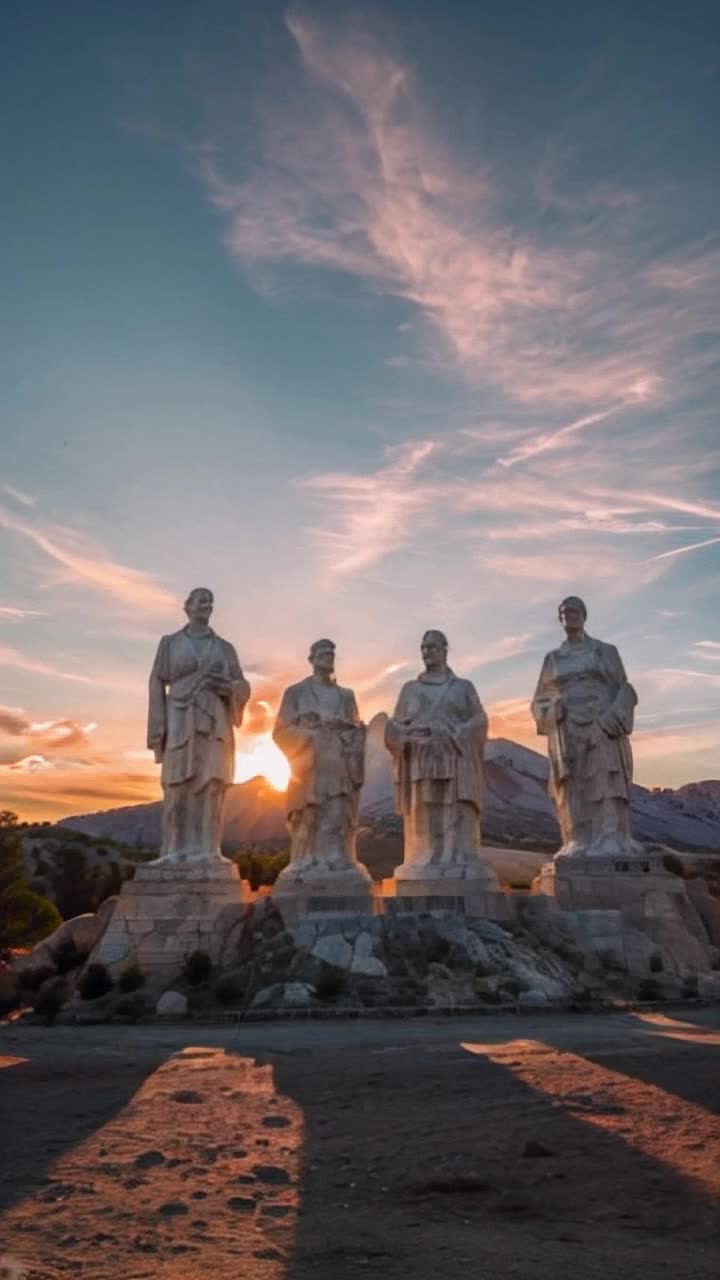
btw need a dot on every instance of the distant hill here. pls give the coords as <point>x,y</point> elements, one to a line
<point>518,809</point>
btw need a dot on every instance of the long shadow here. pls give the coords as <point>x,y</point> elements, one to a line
<point>58,1093</point>
<point>413,1161</point>
<point>667,1043</point>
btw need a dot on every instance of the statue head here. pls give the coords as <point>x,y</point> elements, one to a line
<point>199,605</point>
<point>434,649</point>
<point>572,614</point>
<point>322,658</point>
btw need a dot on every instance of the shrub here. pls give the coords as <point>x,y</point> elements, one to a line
<point>197,968</point>
<point>26,917</point>
<point>68,957</point>
<point>229,991</point>
<point>672,863</point>
<point>330,985</point>
<point>131,1006</point>
<point>95,982</point>
<point>50,1000</point>
<point>131,978</point>
<point>649,989</point>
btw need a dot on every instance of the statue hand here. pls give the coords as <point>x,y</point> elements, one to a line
<point>610,724</point>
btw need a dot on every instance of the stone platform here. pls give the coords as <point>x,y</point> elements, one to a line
<point>168,911</point>
<point>327,893</point>
<point>591,883</point>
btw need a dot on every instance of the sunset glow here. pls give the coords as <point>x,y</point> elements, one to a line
<point>265,760</point>
<point>451,356</point>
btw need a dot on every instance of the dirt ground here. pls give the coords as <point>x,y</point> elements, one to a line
<point>513,1146</point>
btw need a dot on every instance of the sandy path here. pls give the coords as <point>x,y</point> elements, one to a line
<point>383,1149</point>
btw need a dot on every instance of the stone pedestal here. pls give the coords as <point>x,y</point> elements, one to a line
<point>593,883</point>
<point>319,892</point>
<point>444,890</point>
<point>167,911</point>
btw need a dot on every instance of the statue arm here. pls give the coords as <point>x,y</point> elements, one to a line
<point>239,688</point>
<point>543,700</point>
<point>476,724</point>
<point>157,700</point>
<point>288,735</point>
<point>618,720</point>
<point>395,729</point>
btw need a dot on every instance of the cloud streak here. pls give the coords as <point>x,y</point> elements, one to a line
<point>129,586</point>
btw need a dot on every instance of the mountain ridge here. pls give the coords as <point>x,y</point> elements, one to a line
<point>517,807</point>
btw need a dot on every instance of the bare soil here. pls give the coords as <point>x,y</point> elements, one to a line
<point>494,1147</point>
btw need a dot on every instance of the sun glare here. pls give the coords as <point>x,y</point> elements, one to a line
<point>264,759</point>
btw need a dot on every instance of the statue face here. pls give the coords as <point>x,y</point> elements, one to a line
<point>199,606</point>
<point>572,619</point>
<point>323,660</point>
<point>433,650</point>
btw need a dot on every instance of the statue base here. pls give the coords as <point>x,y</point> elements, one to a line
<point>471,889</point>
<point>586,882</point>
<point>318,891</point>
<point>170,909</point>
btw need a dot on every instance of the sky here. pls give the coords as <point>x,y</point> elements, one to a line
<point>372,319</point>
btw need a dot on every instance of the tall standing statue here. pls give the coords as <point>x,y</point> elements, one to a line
<point>197,695</point>
<point>584,705</point>
<point>319,730</point>
<point>437,738</point>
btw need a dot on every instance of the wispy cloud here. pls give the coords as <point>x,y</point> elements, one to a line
<point>374,514</point>
<point>130,586</point>
<point>497,650</point>
<point>12,614</point>
<point>25,499</point>
<point>10,657</point>
<point>354,175</point>
<point>691,546</point>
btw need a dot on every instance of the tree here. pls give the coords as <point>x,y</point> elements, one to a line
<point>25,917</point>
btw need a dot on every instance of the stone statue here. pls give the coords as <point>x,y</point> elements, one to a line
<point>436,738</point>
<point>319,730</point>
<point>584,705</point>
<point>197,694</point>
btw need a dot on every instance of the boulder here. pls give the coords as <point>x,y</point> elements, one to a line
<point>334,950</point>
<point>172,1004</point>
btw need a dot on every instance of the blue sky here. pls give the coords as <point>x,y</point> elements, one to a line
<point>372,318</point>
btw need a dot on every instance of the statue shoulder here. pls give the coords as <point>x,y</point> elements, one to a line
<point>294,690</point>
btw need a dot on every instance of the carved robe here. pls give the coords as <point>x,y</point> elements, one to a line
<point>194,727</point>
<point>589,749</point>
<point>439,780</point>
<point>327,769</point>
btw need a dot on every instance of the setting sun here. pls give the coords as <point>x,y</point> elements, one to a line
<point>264,759</point>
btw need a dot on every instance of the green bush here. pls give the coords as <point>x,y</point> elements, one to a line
<point>330,985</point>
<point>131,978</point>
<point>25,917</point>
<point>95,982</point>
<point>197,968</point>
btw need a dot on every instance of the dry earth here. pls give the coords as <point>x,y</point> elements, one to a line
<point>523,1146</point>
